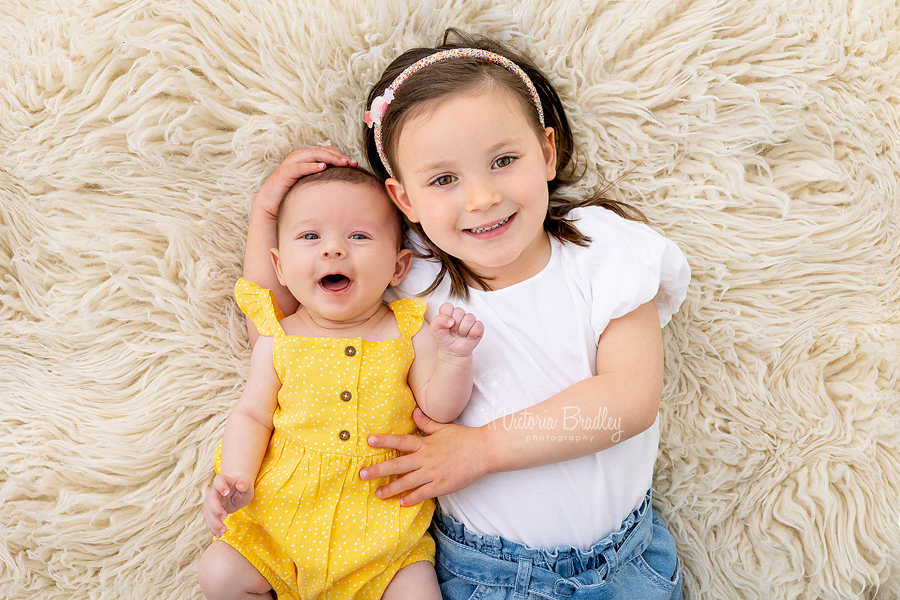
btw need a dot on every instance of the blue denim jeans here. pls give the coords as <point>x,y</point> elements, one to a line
<point>638,562</point>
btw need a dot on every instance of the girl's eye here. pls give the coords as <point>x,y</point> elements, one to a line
<point>359,236</point>
<point>309,236</point>
<point>503,161</point>
<point>443,180</point>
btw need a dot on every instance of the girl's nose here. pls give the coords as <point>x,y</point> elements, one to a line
<point>482,196</point>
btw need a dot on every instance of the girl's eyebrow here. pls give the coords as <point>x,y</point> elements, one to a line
<point>444,164</point>
<point>438,166</point>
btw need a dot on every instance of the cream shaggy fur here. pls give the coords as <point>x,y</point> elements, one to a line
<point>762,136</point>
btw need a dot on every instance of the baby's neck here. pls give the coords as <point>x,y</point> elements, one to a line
<point>374,324</point>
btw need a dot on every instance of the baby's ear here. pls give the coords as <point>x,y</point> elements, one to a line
<point>273,253</point>
<point>398,194</point>
<point>404,261</point>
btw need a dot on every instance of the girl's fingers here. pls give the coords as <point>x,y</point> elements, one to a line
<point>420,494</point>
<point>411,481</point>
<point>300,170</point>
<point>331,151</point>
<point>403,443</point>
<point>295,166</point>
<point>327,154</point>
<point>301,163</point>
<point>396,466</point>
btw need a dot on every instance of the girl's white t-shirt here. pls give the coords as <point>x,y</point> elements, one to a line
<point>541,337</point>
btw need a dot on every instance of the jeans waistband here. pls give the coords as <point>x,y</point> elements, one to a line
<point>560,572</point>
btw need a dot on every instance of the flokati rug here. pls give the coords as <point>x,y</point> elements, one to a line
<point>761,136</point>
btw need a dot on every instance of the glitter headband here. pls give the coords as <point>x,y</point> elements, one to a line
<point>380,104</point>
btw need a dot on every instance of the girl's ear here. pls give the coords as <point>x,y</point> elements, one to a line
<point>277,264</point>
<point>398,195</point>
<point>404,261</point>
<point>549,144</point>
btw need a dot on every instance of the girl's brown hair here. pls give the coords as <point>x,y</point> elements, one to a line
<point>434,82</point>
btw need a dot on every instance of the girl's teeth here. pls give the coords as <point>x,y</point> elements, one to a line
<point>483,229</point>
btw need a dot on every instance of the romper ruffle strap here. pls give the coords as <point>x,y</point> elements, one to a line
<point>260,305</point>
<point>410,313</point>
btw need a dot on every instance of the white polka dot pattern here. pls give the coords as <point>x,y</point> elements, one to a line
<point>313,526</point>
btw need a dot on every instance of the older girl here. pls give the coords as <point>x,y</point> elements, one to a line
<point>544,479</point>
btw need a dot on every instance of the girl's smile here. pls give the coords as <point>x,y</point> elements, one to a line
<point>489,231</point>
<point>473,171</point>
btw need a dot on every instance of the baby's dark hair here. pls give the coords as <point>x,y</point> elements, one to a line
<point>432,83</point>
<point>352,175</point>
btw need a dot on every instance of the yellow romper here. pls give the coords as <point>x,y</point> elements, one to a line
<point>314,529</point>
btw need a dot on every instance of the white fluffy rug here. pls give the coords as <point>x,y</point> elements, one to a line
<point>762,136</point>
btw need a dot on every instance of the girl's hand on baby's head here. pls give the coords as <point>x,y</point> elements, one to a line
<point>299,163</point>
<point>226,496</point>
<point>456,331</point>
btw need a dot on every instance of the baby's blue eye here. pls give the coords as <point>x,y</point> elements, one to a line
<point>359,236</point>
<point>309,236</point>
<point>503,161</point>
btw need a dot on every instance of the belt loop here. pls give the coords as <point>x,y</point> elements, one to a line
<point>523,577</point>
<point>611,558</point>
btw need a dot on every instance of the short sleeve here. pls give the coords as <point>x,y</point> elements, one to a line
<point>260,306</point>
<point>409,313</point>
<point>626,265</point>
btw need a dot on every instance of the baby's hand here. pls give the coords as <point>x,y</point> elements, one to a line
<point>226,496</point>
<point>297,164</point>
<point>456,331</point>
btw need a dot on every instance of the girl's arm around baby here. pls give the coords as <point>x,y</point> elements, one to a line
<point>627,389</point>
<point>247,434</point>
<point>441,375</point>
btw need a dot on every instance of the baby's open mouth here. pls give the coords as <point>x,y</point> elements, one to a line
<point>335,282</point>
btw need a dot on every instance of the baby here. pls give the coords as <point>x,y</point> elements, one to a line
<point>300,521</point>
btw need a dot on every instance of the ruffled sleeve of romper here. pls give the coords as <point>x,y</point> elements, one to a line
<point>260,306</point>
<point>626,265</point>
<point>409,313</point>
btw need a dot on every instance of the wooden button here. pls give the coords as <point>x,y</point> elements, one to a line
<point>350,351</point>
<point>346,396</point>
<point>344,435</point>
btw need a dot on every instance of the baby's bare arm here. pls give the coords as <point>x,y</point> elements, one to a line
<point>441,375</point>
<point>247,434</point>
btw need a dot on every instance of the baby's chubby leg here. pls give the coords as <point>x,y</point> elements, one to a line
<point>226,575</point>
<point>417,581</point>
